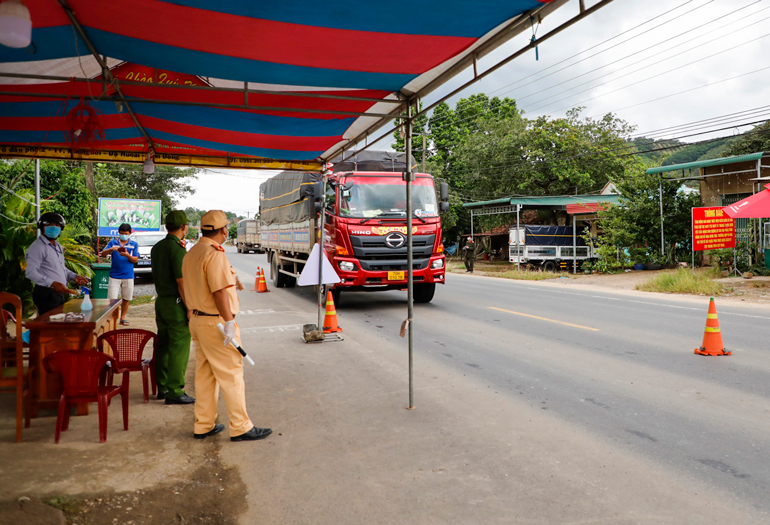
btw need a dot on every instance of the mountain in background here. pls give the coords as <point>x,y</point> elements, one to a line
<point>677,152</point>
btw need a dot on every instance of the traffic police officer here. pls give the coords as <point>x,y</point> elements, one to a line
<point>171,312</point>
<point>46,268</point>
<point>210,288</point>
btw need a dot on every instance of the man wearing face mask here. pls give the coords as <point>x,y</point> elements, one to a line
<point>125,253</point>
<point>171,312</point>
<point>46,268</point>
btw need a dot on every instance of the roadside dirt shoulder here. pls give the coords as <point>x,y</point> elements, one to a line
<point>754,291</point>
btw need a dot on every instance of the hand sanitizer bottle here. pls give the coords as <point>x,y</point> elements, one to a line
<point>87,304</point>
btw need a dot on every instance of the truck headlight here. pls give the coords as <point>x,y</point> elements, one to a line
<point>437,264</point>
<point>346,266</point>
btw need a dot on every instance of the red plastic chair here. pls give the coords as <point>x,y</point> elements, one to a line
<point>80,371</point>
<point>127,348</point>
<point>14,373</point>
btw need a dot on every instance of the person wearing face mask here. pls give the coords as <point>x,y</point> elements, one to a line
<point>210,287</point>
<point>124,253</point>
<point>171,312</point>
<point>46,268</point>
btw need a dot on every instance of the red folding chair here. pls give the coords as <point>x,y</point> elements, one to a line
<point>127,348</point>
<point>80,371</point>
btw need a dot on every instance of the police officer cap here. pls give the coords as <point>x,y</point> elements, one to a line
<point>51,218</point>
<point>176,218</point>
<point>214,220</point>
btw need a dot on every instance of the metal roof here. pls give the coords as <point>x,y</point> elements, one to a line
<point>556,201</point>
<point>706,163</point>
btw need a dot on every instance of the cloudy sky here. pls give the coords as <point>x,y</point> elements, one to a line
<point>673,68</point>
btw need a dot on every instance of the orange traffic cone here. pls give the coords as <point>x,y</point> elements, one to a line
<point>712,338</point>
<point>330,321</point>
<point>256,281</point>
<point>262,283</point>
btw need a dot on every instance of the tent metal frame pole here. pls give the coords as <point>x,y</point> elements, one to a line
<point>408,177</point>
<point>249,91</point>
<point>321,234</point>
<point>37,193</point>
<point>121,98</point>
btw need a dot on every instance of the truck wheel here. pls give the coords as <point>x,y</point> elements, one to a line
<point>423,293</point>
<point>274,274</point>
<point>549,266</point>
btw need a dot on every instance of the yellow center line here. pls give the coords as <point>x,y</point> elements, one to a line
<point>546,319</point>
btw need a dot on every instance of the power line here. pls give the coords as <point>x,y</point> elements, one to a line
<point>678,68</point>
<point>652,47</point>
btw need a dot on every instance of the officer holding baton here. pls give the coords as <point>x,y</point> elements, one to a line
<point>210,290</point>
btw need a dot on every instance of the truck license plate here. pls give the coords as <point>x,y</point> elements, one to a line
<point>396,276</point>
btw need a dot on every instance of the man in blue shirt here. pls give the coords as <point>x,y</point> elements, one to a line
<point>125,253</point>
<point>46,268</point>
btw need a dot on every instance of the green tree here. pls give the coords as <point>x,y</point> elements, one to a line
<point>758,140</point>
<point>636,221</point>
<point>17,232</point>
<point>167,184</point>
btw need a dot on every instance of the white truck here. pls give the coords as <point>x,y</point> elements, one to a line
<point>248,239</point>
<point>548,247</point>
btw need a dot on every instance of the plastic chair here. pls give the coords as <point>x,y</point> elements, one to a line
<point>14,373</point>
<point>127,348</point>
<point>80,371</point>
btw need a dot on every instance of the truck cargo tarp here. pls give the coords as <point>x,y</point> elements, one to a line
<point>372,160</point>
<point>551,236</point>
<point>287,197</point>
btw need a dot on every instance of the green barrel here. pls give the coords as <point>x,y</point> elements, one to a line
<point>101,280</point>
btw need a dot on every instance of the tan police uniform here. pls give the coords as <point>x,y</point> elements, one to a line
<point>205,270</point>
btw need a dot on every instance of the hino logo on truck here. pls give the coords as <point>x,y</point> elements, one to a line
<point>395,240</point>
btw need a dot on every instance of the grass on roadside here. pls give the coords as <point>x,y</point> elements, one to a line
<point>682,281</point>
<point>142,299</point>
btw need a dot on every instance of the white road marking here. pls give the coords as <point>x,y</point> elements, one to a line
<point>272,329</point>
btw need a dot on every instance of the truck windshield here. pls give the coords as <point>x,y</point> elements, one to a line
<point>388,200</point>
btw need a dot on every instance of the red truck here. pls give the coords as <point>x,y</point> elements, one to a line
<point>365,225</point>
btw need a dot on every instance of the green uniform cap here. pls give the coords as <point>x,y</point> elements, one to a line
<point>176,218</point>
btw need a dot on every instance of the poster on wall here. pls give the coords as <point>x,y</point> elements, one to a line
<point>712,229</point>
<point>142,215</point>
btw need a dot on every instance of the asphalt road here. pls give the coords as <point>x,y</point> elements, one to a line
<point>621,367</point>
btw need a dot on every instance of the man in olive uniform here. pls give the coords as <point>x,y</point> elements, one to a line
<point>470,254</point>
<point>171,312</point>
<point>210,288</point>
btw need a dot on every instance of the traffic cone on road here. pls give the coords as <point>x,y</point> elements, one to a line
<point>712,337</point>
<point>330,321</point>
<point>262,283</point>
<point>256,281</point>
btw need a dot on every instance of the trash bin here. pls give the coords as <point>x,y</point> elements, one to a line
<point>767,258</point>
<point>101,281</point>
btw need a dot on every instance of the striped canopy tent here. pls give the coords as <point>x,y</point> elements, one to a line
<point>236,83</point>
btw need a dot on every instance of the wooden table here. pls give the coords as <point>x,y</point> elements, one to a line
<point>48,336</point>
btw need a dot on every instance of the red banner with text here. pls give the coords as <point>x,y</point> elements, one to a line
<point>712,229</point>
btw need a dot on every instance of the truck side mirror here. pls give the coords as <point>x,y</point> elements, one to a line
<point>348,186</point>
<point>444,192</point>
<point>318,191</point>
<point>443,206</point>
